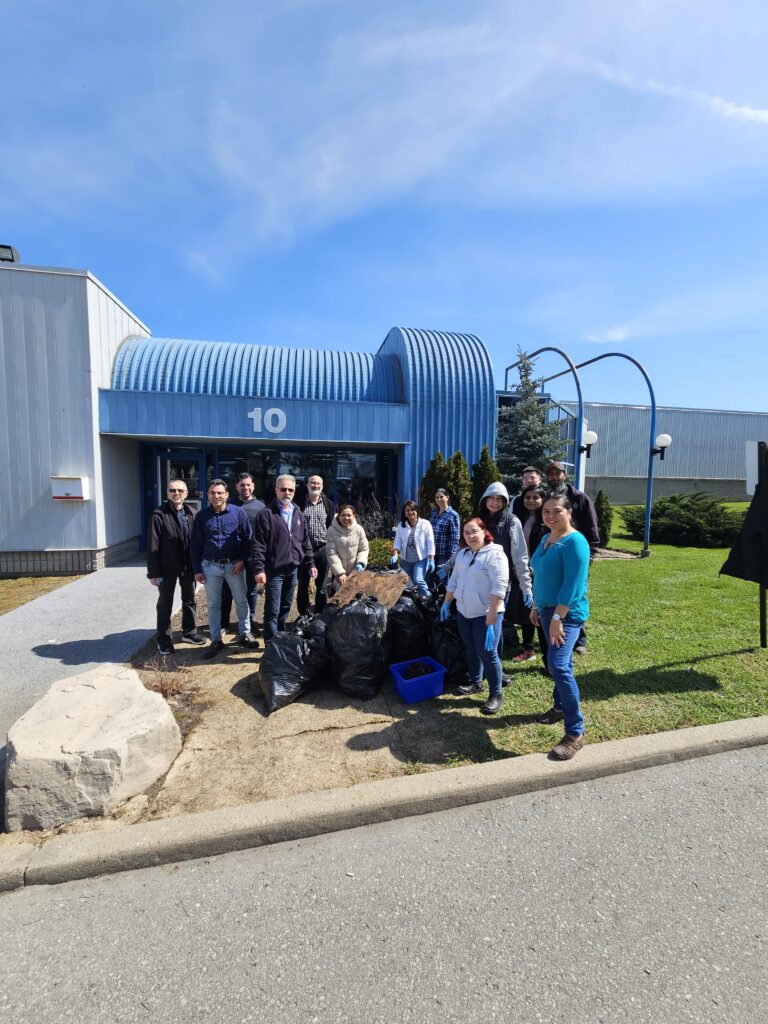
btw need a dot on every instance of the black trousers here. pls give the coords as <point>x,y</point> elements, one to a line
<point>320,556</point>
<point>165,603</point>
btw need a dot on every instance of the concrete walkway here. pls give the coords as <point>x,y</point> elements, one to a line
<point>105,616</point>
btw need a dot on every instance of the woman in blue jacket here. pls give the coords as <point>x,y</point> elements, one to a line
<point>560,567</point>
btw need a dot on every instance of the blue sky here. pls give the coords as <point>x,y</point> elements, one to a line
<point>588,175</point>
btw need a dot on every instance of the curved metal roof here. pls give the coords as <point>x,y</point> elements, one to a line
<point>226,368</point>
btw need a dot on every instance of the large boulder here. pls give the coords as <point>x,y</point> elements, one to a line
<point>92,742</point>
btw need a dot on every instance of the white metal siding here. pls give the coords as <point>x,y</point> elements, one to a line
<point>116,464</point>
<point>706,443</point>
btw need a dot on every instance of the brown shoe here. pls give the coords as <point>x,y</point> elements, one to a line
<point>569,745</point>
<point>551,717</point>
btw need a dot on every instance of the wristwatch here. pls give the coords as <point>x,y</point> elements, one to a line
<point>557,618</point>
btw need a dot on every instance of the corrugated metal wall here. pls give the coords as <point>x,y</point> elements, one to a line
<point>448,380</point>
<point>48,386</point>
<point>116,464</point>
<point>706,443</point>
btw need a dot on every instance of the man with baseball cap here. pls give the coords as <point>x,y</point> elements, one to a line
<point>583,517</point>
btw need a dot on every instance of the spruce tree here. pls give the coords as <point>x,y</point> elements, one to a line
<point>604,512</point>
<point>460,485</point>
<point>484,472</point>
<point>524,437</point>
<point>437,475</point>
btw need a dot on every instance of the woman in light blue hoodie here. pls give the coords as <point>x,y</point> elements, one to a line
<point>479,583</point>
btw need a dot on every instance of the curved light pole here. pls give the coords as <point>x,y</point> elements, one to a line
<point>572,369</point>
<point>655,446</point>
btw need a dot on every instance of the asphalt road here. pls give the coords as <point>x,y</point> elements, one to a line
<point>638,898</point>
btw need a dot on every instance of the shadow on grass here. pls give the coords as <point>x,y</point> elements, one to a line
<point>605,684</point>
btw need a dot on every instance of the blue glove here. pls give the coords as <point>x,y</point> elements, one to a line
<point>528,600</point>
<point>358,566</point>
<point>430,565</point>
<point>445,611</point>
<point>442,574</point>
<point>490,638</point>
<point>393,560</point>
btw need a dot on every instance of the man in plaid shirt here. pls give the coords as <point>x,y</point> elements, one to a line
<point>445,526</point>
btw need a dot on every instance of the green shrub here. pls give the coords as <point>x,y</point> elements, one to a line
<point>686,520</point>
<point>379,552</point>
<point>604,511</point>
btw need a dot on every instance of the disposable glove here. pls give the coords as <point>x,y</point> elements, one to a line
<point>490,638</point>
<point>430,565</point>
<point>358,566</point>
<point>445,612</point>
<point>528,600</point>
<point>442,574</point>
<point>393,560</point>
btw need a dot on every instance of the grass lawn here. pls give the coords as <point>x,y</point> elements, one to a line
<point>14,593</point>
<point>671,645</point>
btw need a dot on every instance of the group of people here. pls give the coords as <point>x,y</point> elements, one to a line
<point>528,560</point>
<point>239,547</point>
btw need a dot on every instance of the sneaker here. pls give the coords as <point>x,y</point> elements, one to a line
<point>193,638</point>
<point>506,681</point>
<point>164,644</point>
<point>470,688</point>
<point>526,655</point>
<point>569,745</point>
<point>580,649</point>
<point>247,640</point>
<point>211,652</point>
<point>492,705</point>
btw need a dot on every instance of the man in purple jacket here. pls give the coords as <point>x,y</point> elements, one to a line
<point>280,545</point>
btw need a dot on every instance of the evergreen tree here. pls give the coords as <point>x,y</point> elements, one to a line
<point>459,485</point>
<point>484,472</point>
<point>437,475</point>
<point>524,437</point>
<point>604,512</point>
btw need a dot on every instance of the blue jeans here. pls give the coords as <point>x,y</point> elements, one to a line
<point>416,571</point>
<point>479,661</point>
<point>251,593</point>
<point>214,584</point>
<point>560,662</point>
<point>278,597</point>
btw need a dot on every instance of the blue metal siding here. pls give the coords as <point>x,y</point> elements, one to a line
<point>706,443</point>
<point>221,368</point>
<point>153,414</point>
<point>448,380</point>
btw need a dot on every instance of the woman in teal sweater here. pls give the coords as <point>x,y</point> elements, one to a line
<point>560,568</point>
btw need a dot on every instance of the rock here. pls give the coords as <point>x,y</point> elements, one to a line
<point>92,742</point>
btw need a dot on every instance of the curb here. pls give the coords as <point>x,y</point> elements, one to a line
<point>210,833</point>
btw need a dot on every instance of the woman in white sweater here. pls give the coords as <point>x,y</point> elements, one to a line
<point>347,546</point>
<point>414,547</point>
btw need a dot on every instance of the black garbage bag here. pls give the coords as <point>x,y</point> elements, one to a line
<point>290,666</point>
<point>355,631</point>
<point>308,625</point>
<point>407,629</point>
<point>363,680</point>
<point>430,606</point>
<point>448,650</point>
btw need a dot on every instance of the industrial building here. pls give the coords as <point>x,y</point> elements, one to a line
<point>98,416</point>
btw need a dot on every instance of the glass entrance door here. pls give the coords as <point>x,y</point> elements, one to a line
<point>186,466</point>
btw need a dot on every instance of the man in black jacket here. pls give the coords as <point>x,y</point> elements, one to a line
<point>318,512</point>
<point>280,545</point>
<point>168,560</point>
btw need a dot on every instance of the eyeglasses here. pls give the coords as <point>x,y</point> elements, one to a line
<point>177,490</point>
<point>288,490</point>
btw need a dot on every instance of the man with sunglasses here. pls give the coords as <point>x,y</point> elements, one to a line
<point>280,545</point>
<point>169,560</point>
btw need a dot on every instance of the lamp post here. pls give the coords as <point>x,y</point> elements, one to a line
<point>588,438</point>
<point>663,441</point>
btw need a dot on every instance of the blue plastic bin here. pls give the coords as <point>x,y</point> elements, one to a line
<point>422,687</point>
